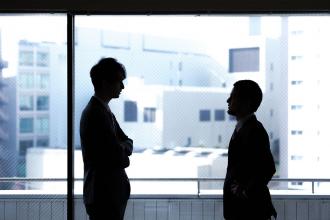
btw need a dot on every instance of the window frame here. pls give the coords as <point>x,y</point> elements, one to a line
<point>70,9</point>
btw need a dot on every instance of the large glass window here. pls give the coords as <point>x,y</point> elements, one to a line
<point>178,77</point>
<point>185,68</point>
<point>33,129</point>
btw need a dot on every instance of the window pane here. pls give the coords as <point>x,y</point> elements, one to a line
<point>43,103</point>
<point>204,115</point>
<point>26,103</point>
<point>33,123</point>
<point>25,57</point>
<point>42,125</point>
<point>26,125</point>
<point>42,58</point>
<point>26,80</point>
<point>42,80</point>
<point>219,115</point>
<point>130,111</point>
<point>244,60</point>
<point>181,69</point>
<point>149,115</point>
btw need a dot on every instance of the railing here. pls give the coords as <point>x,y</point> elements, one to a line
<point>197,180</point>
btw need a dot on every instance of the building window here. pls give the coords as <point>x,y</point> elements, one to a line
<point>296,157</point>
<point>26,80</point>
<point>244,60</point>
<point>42,81</point>
<point>42,59</point>
<point>26,58</point>
<point>42,103</point>
<point>26,103</point>
<point>130,111</point>
<point>219,138</point>
<point>219,115</point>
<point>204,115</point>
<point>149,115</point>
<point>24,145</point>
<point>296,57</point>
<point>296,107</point>
<point>296,132</point>
<point>43,142</point>
<point>296,82</point>
<point>26,125</point>
<point>42,125</point>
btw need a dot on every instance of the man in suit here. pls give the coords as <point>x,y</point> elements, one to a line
<point>250,162</point>
<point>105,147</point>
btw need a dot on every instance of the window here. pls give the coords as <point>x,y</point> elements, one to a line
<point>296,107</point>
<point>296,132</point>
<point>42,81</point>
<point>296,157</point>
<point>42,59</point>
<point>26,58</point>
<point>149,115</point>
<point>24,145</point>
<point>43,142</point>
<point>130,111</point>
<point>26,125</point>
<point>204,115</point>
<point>26,103</point>
<point>26,80</point>
<point>296,82</point>
<point>42,125</point>
<point>42,103</point>
<point>297,57</point>
<point>244,60</point>
<point>219,115</point>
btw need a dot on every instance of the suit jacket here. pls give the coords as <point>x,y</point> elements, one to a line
<point>251,165</point>
<point>105,150</point>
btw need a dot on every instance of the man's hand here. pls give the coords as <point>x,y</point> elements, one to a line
<point>238,190</point>
<point>127,145</point>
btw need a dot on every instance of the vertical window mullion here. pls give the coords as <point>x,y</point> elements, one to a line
<point>70,116</point>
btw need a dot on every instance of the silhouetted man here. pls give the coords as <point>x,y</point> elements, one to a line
<point>250,162</point>
<point>105,147</point>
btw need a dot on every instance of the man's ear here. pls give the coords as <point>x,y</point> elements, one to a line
<point>248,106</point>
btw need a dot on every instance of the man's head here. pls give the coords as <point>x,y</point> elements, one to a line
<point>244,99</point>
<point>107,77</point>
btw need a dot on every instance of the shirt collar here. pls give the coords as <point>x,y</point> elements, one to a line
<point>241,122</point>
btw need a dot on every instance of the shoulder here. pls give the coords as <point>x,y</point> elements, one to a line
<point>92,110</point>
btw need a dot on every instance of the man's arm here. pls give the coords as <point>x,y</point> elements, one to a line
<point>125,141</point>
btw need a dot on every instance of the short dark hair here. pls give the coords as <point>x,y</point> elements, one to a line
<point>108,69</point>
<point>250,91</point>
